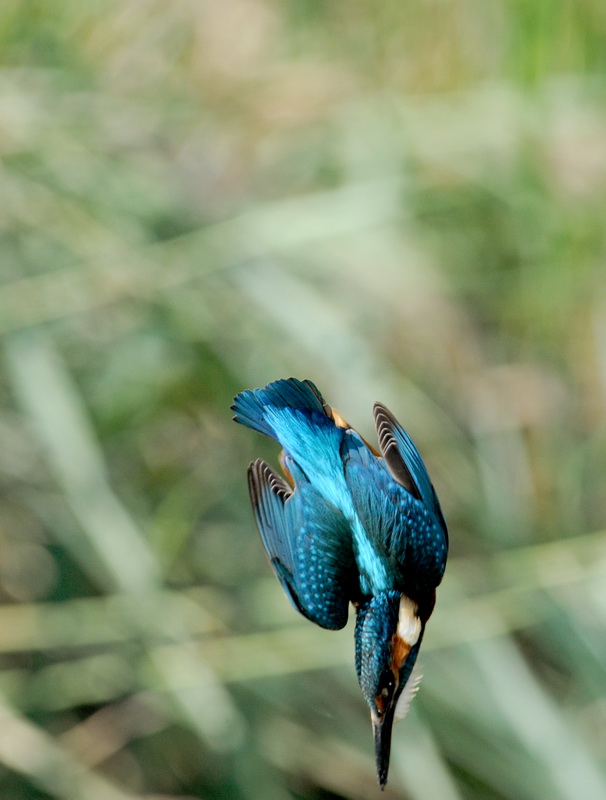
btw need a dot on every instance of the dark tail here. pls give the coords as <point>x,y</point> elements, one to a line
<point>253,407</point>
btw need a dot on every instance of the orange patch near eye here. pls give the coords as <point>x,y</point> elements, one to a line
<point>380,704</point>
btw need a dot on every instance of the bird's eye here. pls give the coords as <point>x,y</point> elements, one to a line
<point>387,683</point>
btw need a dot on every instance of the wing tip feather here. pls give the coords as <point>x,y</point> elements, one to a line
<point>385,422</point>
<point>261,476</point>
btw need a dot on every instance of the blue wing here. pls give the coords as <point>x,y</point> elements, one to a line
<point>378,504</point>
<point>405,463</point>
<point>401,541</point>
<point>308,542</point>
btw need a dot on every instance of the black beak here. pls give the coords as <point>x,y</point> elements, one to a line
<point>382,727</point>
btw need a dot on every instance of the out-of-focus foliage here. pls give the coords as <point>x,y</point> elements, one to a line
<point>401,200</point>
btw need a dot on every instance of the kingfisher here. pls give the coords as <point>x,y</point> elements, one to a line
<point>350,524</point>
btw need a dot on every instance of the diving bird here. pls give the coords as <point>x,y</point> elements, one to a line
<point>350,524</point>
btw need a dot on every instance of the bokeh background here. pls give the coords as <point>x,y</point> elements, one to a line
<point>402,200</point>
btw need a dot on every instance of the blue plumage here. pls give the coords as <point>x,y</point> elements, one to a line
<point>353,526</point>
<point>307,541</point>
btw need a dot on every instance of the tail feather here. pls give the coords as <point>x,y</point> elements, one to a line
<point>251,407</point>
<point>293,413</point>
<point>249,411</point>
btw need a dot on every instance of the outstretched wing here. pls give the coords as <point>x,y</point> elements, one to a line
<point>404,461</point>
<point>402,530</point>
<point>307,541</point>
<point>380,504</point>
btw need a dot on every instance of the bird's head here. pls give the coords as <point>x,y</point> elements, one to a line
<point>388,635</point>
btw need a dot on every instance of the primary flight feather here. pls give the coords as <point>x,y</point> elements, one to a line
<point>350,525</point>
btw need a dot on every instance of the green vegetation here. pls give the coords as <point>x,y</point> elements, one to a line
<point>403,201</point>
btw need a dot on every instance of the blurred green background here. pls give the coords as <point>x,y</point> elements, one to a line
<point>404,201</point>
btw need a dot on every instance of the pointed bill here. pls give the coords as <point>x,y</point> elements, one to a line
<point>382,728</point>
